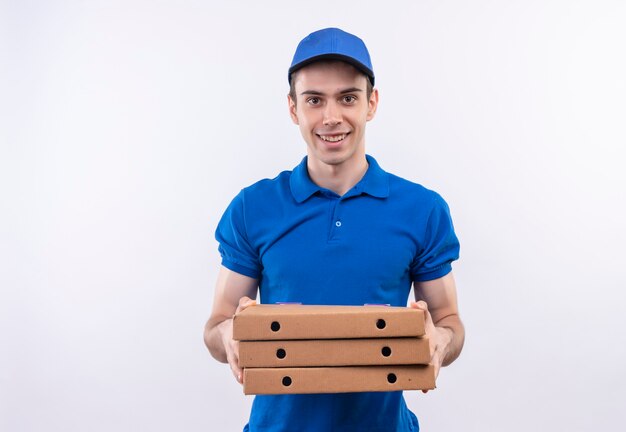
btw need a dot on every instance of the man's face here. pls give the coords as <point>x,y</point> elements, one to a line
<point>331,109</point>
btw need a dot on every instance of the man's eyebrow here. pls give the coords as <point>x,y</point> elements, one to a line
<point>351,90</point>
<point>312,92</point>
<point>318,93</point>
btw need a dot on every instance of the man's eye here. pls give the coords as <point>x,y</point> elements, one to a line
<point>313,101</point>
<point>349,99</point>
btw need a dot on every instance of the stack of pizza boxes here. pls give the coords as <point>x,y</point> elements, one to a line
<point>288,349</point>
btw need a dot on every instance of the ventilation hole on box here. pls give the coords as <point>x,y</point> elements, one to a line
<point>381,324</point>
<point>386,351</point>
<point>280,353</point>
<point>286,381</point>
<point>392,378</point>
<point>275,326</point>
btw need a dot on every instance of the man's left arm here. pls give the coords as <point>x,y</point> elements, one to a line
<point>437,298</point>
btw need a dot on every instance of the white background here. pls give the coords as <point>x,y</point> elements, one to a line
<point>127,127</point>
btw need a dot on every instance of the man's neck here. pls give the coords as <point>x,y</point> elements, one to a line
<point>338,178</point>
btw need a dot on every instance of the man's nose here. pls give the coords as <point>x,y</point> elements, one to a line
<point>332,114</point>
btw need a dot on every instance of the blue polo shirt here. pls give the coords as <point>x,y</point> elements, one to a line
<point>307,244</point>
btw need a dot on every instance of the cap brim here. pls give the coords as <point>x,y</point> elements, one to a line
<point>347,59</point>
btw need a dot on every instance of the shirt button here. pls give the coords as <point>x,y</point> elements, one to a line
<point>338,223</point>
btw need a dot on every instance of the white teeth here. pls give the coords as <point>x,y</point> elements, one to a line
<point>332,138</point>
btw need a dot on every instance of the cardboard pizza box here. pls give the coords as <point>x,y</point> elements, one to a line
<point>284,322</point>
<point>334,352</point>
<point>338,379</point>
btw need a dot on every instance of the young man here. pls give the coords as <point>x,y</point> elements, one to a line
<point>335,230</point>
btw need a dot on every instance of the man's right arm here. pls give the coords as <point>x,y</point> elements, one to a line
<point>233,293</point>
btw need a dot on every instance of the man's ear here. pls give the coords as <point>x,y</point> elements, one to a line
<point>372,105</point>
<point>292,110</point>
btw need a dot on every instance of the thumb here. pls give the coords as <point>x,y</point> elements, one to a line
<point>245,302</point>
<point>423,306</point>
<point>419,305</point>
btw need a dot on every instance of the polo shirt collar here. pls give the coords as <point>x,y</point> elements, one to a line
<point>375,182</point>
<point>302,187</point>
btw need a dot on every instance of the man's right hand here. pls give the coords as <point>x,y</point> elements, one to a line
<point>232,346</point>
<point>233,293</point>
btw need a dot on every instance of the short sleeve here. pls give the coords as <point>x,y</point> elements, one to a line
<point>440,245</point>
<point>237,253</point>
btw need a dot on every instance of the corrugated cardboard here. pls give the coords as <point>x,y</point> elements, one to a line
<point>282,322</point>
<point>334,352</point>
<point>337,379</point>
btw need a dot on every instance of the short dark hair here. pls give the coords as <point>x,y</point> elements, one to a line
<point>369,88</point>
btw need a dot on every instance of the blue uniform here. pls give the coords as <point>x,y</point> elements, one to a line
<point>307,244</point>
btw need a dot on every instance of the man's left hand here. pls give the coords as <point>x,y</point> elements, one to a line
<point>439,338</point>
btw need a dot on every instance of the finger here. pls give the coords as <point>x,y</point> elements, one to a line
<point>244,302</point>
<point>422,305</point>
<point>234,367</point>
<point>244,299</point>
<point>429,325</point>
<point>238,373</point>
<point>437,364</point>
<point>235,356</point>
<point>419,305</point>
<point>233,361</point>
<point>437,360</point>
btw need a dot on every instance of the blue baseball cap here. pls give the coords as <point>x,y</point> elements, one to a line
<point>332,44</point>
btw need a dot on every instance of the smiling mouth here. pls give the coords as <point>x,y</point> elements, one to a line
<point>333,138</point>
